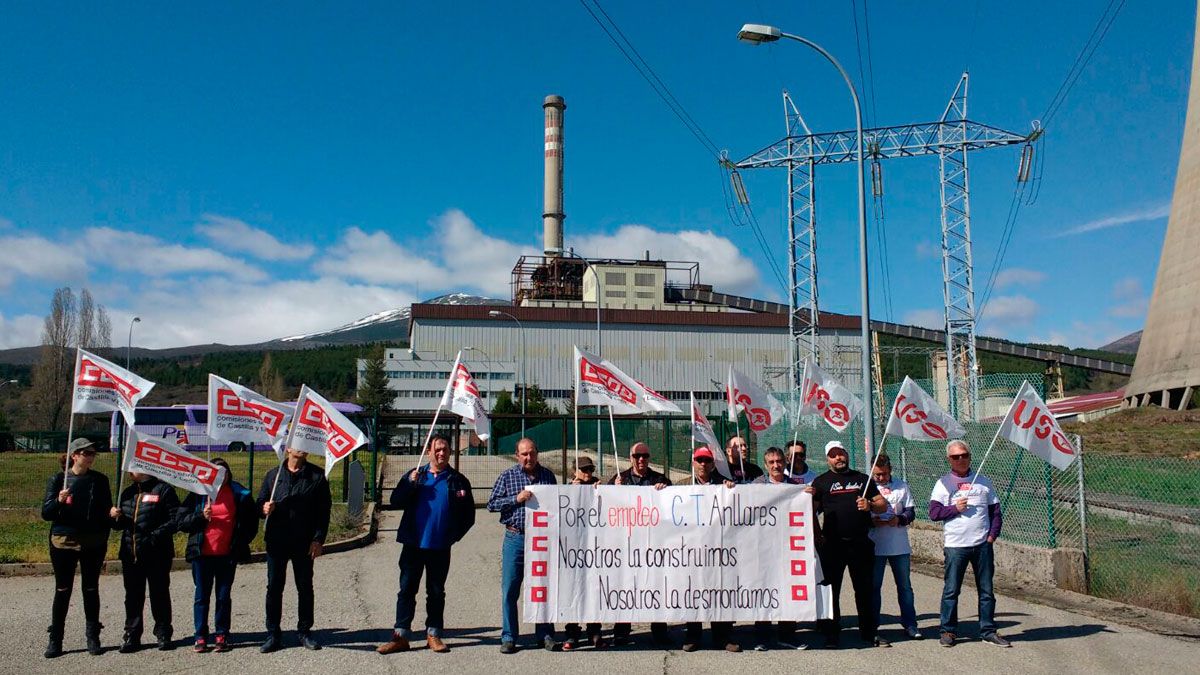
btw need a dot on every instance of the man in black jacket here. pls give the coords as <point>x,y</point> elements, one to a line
<point>146,515</point>
<point>438,510</point>
<point>297,520</point>
<point>639,474</point>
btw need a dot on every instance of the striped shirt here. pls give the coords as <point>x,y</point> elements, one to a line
<point>508,485</point>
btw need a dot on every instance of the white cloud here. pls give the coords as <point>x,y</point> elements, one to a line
<point>472,258</point>
<point>926,249</point>
<point>23,330</point>
<point>1019,276</point>
<point>1081,334</point>
<point>236,235</point>
<point>38,258</point>
<point>722,264</point>
<point>376,258</point>
<point>925,318</point>
<point>1005,312</point>
<point>1132,301</point>
<point>153,257</point>
<point>1149,213</point>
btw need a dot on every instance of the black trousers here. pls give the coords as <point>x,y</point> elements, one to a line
<point>785,631</point>
<point>64,562</point>
<point>857,556</point>
<point>721,632</point>
<point>153,572</point>
<point>302,568</point>
<point>658,630</point>
<point>593,629</point>
<point>435,565</point>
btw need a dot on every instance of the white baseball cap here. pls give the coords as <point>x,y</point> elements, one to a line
<point>833,445</point>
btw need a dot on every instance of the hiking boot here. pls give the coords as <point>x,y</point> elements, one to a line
<point>398,643</point>
<point>130,644</point>
<point>92,633</point>
<point>508,647</point>
<point>436,645</point>
<point>164,643</point>
<point>54,646</point>
<point>947,640</point>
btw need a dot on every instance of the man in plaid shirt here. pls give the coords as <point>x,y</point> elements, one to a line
<point>509,495</point>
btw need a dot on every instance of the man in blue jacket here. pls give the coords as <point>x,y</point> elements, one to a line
<point>438,511</point>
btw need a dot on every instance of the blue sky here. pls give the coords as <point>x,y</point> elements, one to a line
<point>235,174</point>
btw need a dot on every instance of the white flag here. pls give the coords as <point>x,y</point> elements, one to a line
<point>462,397</point>
<point>703,432</point>
<point>101,386</point>
<point>822,395</point>
<point>599,382</point>
<point>1030,425</point>
<point>171,464</point>
<point>319,428</point>
<point>762,410</point>
<point>916,416</point>
<point>237,413</point>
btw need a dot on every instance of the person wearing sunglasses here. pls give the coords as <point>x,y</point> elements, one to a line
<point>77,504</point>
<point>705,473</point>
<point>969,511</point>
<point>585,474</point>
<point>639,474</point>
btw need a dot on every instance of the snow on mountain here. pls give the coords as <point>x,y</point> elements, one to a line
<point>391,321</point>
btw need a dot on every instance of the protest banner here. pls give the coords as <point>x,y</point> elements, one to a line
<point>916,416</point>
<point>319,428</point>
<point>822,395</point>
<point>237,413</point>
<point>683,553</point>
<point>171,464</point>
<point>462,398</point>
<point>1030,424</point>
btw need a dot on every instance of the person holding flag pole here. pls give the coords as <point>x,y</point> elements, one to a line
<point>100,385</point>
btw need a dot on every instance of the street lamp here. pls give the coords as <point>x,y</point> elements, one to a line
<point>7,382</point>
<point>495,313</point>
<point>599,342</point>
<point>129,344</point>
<point>491,398</point>
<point>757,34</point>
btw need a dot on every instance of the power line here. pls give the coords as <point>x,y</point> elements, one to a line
<point>1103,24</point>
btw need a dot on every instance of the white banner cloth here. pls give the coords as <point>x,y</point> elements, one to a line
<point>824,396</point>
<point>1030,425</point>
<point>319,428</point>
<point>462,398</point>
<point>762,410</point>
<point>916,416</point>
<point>237,413</point>
<point>683,553</point>
<point>171,464</point>
<point>103,386</point>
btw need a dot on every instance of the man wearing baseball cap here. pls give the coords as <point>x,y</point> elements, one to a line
<point>845,500</point>
<point>639,474</point>
<point>705,473</point>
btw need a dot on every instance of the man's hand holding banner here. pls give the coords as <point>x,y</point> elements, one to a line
<point>102,386</point>
<point>171,464</point>
<point>319,428</point>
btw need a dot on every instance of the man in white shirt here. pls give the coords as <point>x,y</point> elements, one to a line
<point>892,548</point>
<point>970,513</point>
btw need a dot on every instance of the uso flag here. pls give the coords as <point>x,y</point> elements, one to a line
<point>236,413</point>
<point>825,396</point>
<point>462,398</point>
<point>101,386</point>
<point>762,409</point>
<point>917,417</point>
<point>171,464</point>
<point>1030,425</point>
<point>319,428</point>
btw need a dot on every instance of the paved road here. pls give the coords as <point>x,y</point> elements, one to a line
<point>355,606</point>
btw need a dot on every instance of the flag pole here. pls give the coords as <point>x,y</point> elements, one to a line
<point>124,456</point>
<point>575,409</point>
<point>871,473</point>
<point>612,425</point>
<point>985,455</point>
<point>274,485</point>
<point>432,426</point>
<point>692,414</point>
<point>71,422</point>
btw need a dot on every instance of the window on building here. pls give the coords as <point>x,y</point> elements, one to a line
<point>643,279</point>
<point>614,294</point>
<point>614,278</point>
<point>646,295</point>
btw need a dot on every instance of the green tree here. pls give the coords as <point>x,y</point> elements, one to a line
<point>373,392</point>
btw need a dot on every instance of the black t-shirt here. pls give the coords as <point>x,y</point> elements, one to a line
<point>753,471</point>
<point>835,495</point>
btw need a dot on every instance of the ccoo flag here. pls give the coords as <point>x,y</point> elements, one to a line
<point>319,428</point>
<point>762,409</point>
<point>237,413</point>
<point>101,386</point>
<point>171,464</point>
<point>1030,425</point>
<point>917,417</point>
<point>599,382</point>
<point>462,397</point>
<point>822,395</point>
<point>702,431</point>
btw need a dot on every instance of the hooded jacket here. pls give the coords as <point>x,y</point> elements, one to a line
<point>147,521</point>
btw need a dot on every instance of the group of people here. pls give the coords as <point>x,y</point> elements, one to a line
<point>863,528</point>
<point>294,502</point>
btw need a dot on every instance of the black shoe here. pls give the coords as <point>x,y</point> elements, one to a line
<point>508,647</point>
<point>164,643</point>
<point>130,644</point>
<point>307,641</point>
<point>832,643</point>
<point>995,639</point>
<point>550,644</point>
<point>880,642</point>
<point>54,647</point>
<point>92,633</point>
<point>272,644</point>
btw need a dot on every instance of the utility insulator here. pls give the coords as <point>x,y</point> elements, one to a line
<point>876,178</point>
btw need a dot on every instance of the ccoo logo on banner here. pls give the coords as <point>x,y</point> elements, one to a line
<point>171,464</point>
<point>237,413</point>
<point>699,553</point>
<point>101,386</point>
<point>319,428</point>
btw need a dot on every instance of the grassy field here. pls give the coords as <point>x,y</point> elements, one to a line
<point>23,479</point>
<point>1142,431</point>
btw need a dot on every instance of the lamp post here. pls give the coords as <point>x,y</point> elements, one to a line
<point>491,398</point>
<point>7,382</point>
<point>758,34</point>
<point>129,343</point>
<point>599,339</point>
<point>524,384</point>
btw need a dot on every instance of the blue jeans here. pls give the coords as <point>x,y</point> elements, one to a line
<point>981,562</point>
<point>512,573</point>
<point>415,561</point>
<point>209,572</point>
<point>902,572</point>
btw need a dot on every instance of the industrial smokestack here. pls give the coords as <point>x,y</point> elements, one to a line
<point>552,212</point>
